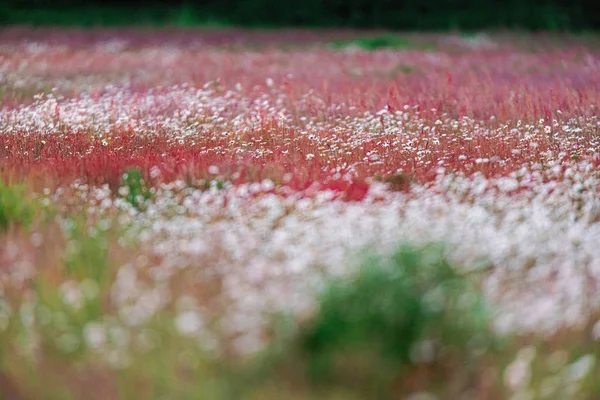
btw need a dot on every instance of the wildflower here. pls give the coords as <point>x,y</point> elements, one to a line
<point>94,334</point>
<point>188,323</point>
<point>154,172</point>
<point>71,294</point>
<point>518,373</point>
<point>580,368</point>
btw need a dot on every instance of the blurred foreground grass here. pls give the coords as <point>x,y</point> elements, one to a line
<point>404,324</point>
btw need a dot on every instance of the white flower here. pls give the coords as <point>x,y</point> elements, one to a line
<point>267,185</point>
<point>94,334</point>
<point>188,323</point>
<point>580,368</point>
<point>154,172</point>
<point>71,294</point>
<point>517,374</point>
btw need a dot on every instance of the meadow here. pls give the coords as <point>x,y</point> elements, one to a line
<point>247,214</point>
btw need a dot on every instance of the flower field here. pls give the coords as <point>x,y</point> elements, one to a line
<point>294,214</point>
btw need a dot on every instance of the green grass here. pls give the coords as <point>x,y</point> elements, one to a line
<point>16,207</point>
<point>372,330</point>
<point>384,41</point>
<point>137,193</point>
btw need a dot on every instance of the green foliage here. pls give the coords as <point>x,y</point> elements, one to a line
<point>216,183</point>
<point>66,296</point>
<point>15,206</point>
<point>416,296</point>
<point>137,192</point>
<point>86,255</point>
<point>406,14</point>
<point>395,314</point>
<point>388,41</point>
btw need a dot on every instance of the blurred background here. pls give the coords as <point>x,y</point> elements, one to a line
<point>551,15</point>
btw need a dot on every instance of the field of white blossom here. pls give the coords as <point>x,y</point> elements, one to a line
<point>182,213</point>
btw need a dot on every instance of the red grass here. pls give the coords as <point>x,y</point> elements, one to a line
<point>482,99</point>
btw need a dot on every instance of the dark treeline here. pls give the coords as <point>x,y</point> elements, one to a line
<point>392,14</point>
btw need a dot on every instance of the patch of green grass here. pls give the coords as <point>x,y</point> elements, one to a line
<point>187,17</point>
<point>137,193</point>
<point>216,183</point>
<point>385,41</point>
<point>397,315</point>
<point>86,255</point>
<point>45,329</point>
<point>8,94</point>
<point>16,207</point>
<point>75,288</point>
